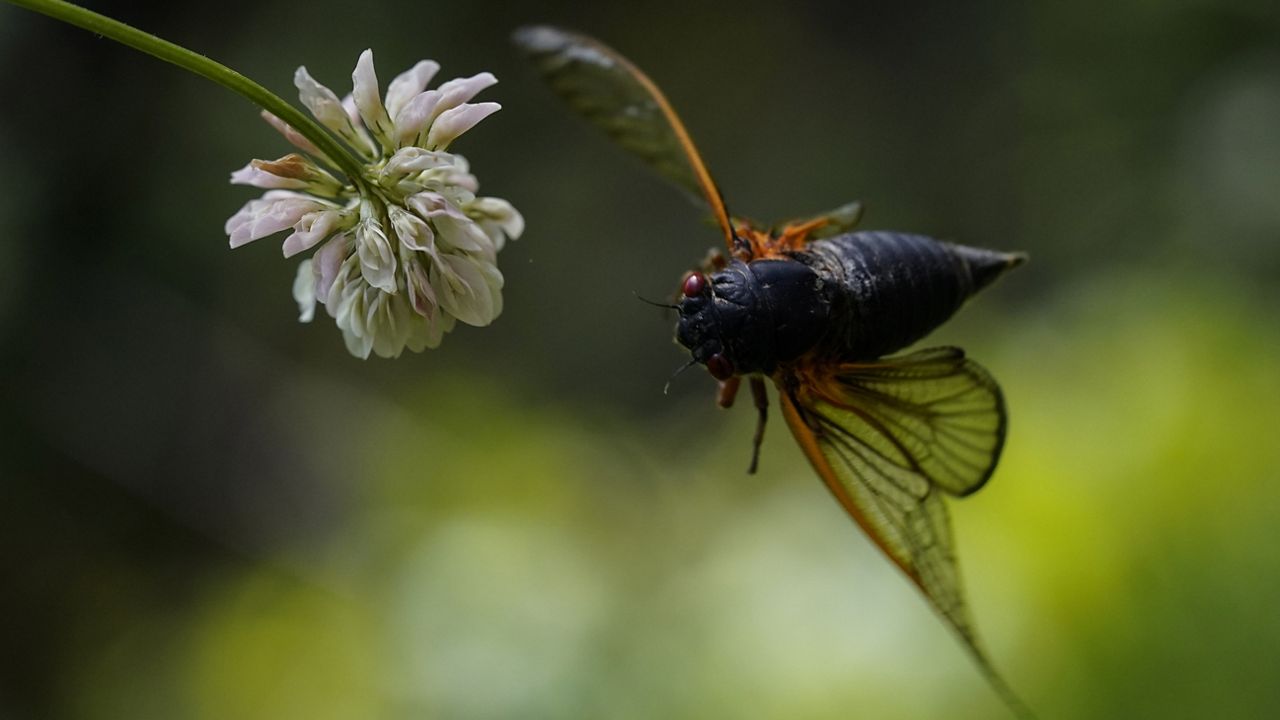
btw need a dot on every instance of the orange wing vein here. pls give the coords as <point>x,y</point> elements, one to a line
<point>612,93</point>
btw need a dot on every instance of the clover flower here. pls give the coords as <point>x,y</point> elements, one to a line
<point>407,249</point>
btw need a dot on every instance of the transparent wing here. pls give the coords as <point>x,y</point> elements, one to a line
<point>606,89</point>
<point>888,438</point>
<point>935,413</point>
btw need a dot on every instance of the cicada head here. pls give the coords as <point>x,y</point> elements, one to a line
<point>747,318</point>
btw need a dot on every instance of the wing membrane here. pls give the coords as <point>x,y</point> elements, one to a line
<point>606,89</point>
<point>888,438</point>
<point>934,412</point>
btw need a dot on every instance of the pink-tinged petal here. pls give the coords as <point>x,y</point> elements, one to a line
<point>500,212</point>
<point>274,212</point>
<point>368,99</point>
<point>460,232</point>
<point>295,167</point>
<point>460,90</point>
<point>321,101</point>
<point>430,170</point>
<point>253,174</point>
<point>294,137</point>
<point>454,229</point>
<point>421,295</point>
<point>328,264</point>
<point>419,113</point>
<point>456,121</point>
<point>304,291</point>
<point>451,177</point>
<point>310,230</point>
<point>377,261</point>
<point>413,160</point>
<point>494,282</point>
<point>435,326</point>
<point>414,233</point>
<point>390,327</point>
<point>358,345</point>
<point>353,114</point>
<point>431,205</point>
<point>328,110</point>
<point>413,118</point>
<point>497,218</point>
<point>350,317</point>
<point>463,290</point>
<point>291,172</point>
<point>424,203</point>
<point>409,83</point>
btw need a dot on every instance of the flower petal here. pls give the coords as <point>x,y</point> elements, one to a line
<point>410,83</point>
<point>415,159</point>
<point>414,233</point>
<point>295,138</point>
<point>421,295</point>
<point>413,118</point>
<point>377,261</point>
<point>463,290</point>
<point>328,262</point>
<point>461,90</point>
<point>412,169</point>
<point>311,229</point>
<point>293,171</point>
<point>350,317</point>
<point>253,174</point>
<point>353,113</point>
<point>417,115</point>
<point>273,212</point>
<point>493,281</point>
<point>390,323</point>
<point>456,231</point>
<point>455,121</point>
<point>497,218</point>
<point>304,291</point>
<point>328,109</point>
<point>369,102</point>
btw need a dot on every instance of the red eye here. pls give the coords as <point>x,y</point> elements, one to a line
<point>719,367</point>
<point>694,285</point>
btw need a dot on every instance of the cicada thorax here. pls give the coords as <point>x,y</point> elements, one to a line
<point>857,296</point>
<point>750,316</point>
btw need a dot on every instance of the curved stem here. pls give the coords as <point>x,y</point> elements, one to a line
<point>203,66</point>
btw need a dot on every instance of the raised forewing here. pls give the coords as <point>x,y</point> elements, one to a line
<point>612,93</point>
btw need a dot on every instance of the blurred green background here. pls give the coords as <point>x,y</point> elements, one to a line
<point>209,510</point>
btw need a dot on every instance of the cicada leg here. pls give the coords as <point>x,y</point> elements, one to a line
<point>761,397</point>
<point>728,391</point>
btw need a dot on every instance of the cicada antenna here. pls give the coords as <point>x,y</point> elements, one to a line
<point>654,303</point>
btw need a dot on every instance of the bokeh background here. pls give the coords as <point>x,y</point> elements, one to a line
<point>209,510</point>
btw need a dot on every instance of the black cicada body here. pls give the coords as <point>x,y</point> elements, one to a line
<point>856,296</point>
<point>819,310</point>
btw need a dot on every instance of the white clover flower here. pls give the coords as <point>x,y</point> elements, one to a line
<point>407,249</point>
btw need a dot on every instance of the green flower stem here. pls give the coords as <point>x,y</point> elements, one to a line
<point>203,66</point>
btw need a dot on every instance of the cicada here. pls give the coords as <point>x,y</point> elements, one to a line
<point>820,310</point>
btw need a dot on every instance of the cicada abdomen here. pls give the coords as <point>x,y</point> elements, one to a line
<point>887,290</point>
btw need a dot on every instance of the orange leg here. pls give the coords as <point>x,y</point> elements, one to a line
<point>728,391</point>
